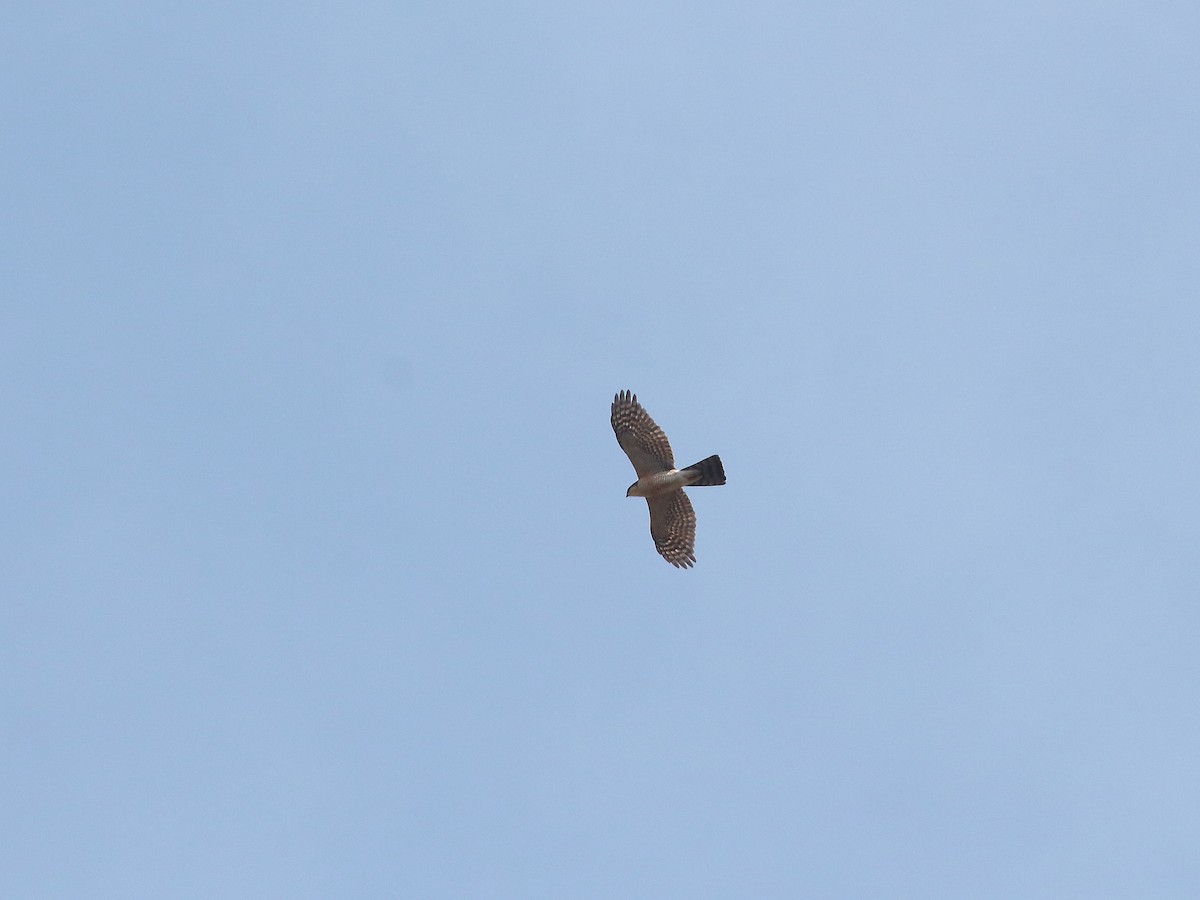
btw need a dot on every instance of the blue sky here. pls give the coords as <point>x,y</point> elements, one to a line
<point>321,577</point>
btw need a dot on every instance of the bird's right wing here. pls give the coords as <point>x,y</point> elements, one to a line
<point>673,527</point>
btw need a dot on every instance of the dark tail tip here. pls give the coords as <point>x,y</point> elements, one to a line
<point>711,472</point>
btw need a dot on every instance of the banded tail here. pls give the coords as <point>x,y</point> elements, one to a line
<point>710,470</point>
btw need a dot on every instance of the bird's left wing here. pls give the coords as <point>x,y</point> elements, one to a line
<point>640,437</point>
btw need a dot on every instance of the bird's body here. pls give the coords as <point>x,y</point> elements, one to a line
<point>658,483</point>
<point>706,472</point>
<point>672,519</point>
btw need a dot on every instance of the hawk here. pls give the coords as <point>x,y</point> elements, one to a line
<point>672,521</point>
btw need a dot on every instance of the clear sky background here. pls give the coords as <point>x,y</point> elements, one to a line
<point>319,576</point>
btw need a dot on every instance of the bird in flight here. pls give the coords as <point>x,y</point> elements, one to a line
<point>672,520</point>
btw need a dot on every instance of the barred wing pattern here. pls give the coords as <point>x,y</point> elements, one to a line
<point>641,439</point>
<point>673,527</point>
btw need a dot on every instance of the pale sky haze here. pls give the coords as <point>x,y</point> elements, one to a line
<point>320,576</point>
